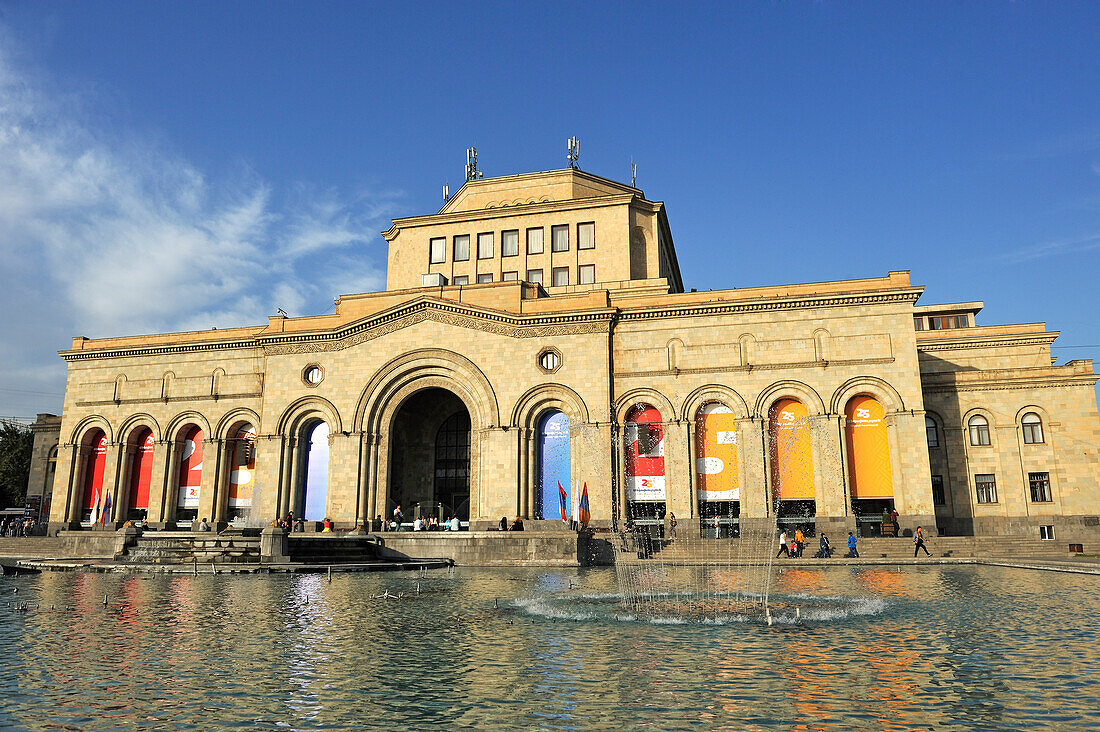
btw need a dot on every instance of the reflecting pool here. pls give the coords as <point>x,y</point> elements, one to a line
<point>866,647</point>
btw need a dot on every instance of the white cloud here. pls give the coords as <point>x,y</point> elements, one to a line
<point>1053,249</point>
<point>100,237</point>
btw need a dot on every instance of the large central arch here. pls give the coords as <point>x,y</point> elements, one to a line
<point>388,391</point>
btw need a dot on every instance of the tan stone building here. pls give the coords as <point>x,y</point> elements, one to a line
<point>535,344</point>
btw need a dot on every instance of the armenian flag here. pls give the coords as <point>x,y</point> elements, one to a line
<point>583,514</point>
<point>562,499</point>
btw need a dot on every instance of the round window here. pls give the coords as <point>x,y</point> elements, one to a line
<point>313,375</point>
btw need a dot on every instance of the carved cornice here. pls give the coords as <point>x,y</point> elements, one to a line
<point>755,367</point>
<point>456,315</point>
<point>763,305</point>
<point>1030,339</point>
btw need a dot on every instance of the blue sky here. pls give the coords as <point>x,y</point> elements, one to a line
<point>156,159</point>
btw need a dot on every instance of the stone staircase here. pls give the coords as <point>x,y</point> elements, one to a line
<point>332,549</point>
<point>178,547</point>
<point>31,546</point>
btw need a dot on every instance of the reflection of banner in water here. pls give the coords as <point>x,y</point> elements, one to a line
<point>242,467</point>
<point>190,478</point>
<point>645,455</point>
<point>868,449</point>
<point>716,453</point>
<point>790,451</point>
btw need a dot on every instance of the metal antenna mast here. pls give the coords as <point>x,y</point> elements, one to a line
<point>574,152</point>
<point>633,173</point>
<point>472,173</point>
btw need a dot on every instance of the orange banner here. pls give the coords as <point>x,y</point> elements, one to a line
<point>868,449</point>
<point>790,451</point>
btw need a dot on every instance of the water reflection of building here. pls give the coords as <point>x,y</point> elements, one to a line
<point>537,303</point>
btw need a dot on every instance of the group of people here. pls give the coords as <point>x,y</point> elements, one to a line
<point>516,525</point>
<point>793,546</point>
<point>420,523</point>
<point>18,526</point>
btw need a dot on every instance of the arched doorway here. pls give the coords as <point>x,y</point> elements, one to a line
<point>141,475</point>
<point>242,470</point>
<point>95,465</point>
<point>429,467</point>
<point>870,476</point>
<point>313,494</point>
<point>189,480</point>
<point>716,478</point>
<point>645,466</point>
<point>554,457</point>
<point>792,466</point>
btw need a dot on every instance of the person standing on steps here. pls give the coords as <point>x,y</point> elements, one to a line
<point>852,552</point>
<point>799,542</point>
<point>894,521</point>
<point>672,525</point>
<point>918,543</point>
<point>783,545</point>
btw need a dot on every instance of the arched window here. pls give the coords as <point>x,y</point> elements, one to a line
<point>979,430</point>
<point>931,433</point>
<point>1033,429</point>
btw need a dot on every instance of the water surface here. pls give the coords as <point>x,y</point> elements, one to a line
<point>876,648</point>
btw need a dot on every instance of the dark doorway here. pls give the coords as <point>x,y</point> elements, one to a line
<point>430,456</point>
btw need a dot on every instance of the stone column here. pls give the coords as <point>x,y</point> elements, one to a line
<point>111,480</point>
<point>286,453</point>
<point>64,477</point>
<point>159,489</point>
<point>211,469</point>
<point>120,499</point>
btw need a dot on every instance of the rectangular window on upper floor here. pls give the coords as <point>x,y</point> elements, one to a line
<point>986,486</point>
<point>438,250</point>
<point>918,323</point>
<point>939,496</point>
<point>484,278</point>
<point>534,275</point>
<point>559,238</point>
<point>587,274</point>
<point>461,280</point>
<point>561,276</point>
<point>1039,483</point>
<point>534,241</point>
<point>462,247</point>
<point>509,243</point>
<point>484,246</point>
<point>961,321</point>
<point>509,277</point>
<point>586,236</point>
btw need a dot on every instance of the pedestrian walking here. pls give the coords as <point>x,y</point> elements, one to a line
<point>852,551</point>
<point>799,542</point>
<point>783,545</point>
<point>672,525</point>
<point>918,543</point>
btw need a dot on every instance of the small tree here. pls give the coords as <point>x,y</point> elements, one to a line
<point>16,443</point>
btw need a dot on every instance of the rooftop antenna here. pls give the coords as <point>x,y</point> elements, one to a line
<point>574,152</point>
<point>282,312</point>
<point>446,192</point>
<point>633,173</point>
<point>472,173</point>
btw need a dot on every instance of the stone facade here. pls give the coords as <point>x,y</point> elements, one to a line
<point>507,353</point>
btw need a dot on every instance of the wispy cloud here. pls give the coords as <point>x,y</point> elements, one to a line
<point>101,237</point>
<point>1053,249</point>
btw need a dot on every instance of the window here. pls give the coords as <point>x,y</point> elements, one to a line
<point>586,236</point>
<point>549,360</point>
<point>313,375</point>
<point>461,280</point>
<point>509,243</point>
<point>1040,487</point>
<point>534,241</point>
<point>484,246</point>
<point>561,276</point>
<point>918,323</point>
<point>559,238</point>
<point>509,277</point>
<point>947,321</point>
<point>438,250</point>
<point>961,321</point>
<point>931,433</point>
<point>1033,429</point>
<point>1046,533</point>
<point>939,496</point>
<point>462,248</point>
<point>986,483</point>
<point>979,430</point>
<point>588,274</point>
<point>484,278</point>
<point>534,275</point>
